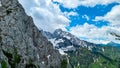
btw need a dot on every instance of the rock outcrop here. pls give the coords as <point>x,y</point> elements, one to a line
<point>21,43</point>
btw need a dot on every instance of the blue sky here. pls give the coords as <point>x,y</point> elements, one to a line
<point>91,12</point>
<point>88,20</point>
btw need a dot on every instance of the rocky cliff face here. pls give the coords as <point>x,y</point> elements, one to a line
<point>21,43</point>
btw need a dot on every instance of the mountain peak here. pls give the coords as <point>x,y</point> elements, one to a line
<point>113,44</point>
<point>65,41</point>
<point>57,30</point>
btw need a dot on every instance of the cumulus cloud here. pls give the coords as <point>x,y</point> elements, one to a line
<point>46,14</point>
<point>93,33</point>
<point>69,4</point>
<point>87,3</point>
<point>86,17</point>
<point>87,31</point>
<point>113,16</point>
<point>68,14</point>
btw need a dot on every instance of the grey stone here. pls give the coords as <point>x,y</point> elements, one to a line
<point>17,31</point>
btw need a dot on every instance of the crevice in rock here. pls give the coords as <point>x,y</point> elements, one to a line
<point>0,36</point>
<point>0,39</point>
<point>8,11</point>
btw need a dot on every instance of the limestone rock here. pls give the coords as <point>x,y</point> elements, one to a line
<point>21,43</point>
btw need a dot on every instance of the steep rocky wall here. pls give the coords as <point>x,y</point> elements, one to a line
<point>21,43</point>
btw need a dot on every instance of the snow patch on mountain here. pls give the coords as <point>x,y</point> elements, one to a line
<point>68,37</point>
<point>61,52</point>
<point>90,48</point>
<point>71,48</point>
<point>59,40</point>
<point>52,41</point>
<point>55,42</point>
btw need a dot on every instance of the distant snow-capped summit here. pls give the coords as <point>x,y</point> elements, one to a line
<point>66,42</point>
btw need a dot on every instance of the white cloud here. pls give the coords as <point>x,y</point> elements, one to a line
<point>46,14</point>
<point>87,31</point>
<point>68,14</point>
<point>88,3</point>
<point>69,4</point>
<point>113,16</point>
<point>86,17</point>
<point>93,3</point>
<point>93,33</point>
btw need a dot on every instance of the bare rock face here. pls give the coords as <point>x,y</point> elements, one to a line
<point>21,43</point>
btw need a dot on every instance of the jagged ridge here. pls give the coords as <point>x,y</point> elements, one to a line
<point>21,43</point>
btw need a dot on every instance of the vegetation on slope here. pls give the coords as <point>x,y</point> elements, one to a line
<point>84,58</point>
